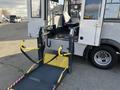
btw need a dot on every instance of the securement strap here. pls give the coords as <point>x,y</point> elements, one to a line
<point>32,60</point>
<point>62,54</point>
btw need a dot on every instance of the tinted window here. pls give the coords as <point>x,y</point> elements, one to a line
<point>92,9</point>
<point>112,10</point>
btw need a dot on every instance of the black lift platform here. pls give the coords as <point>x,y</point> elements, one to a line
<point>48,71</point>
<point>46,76</point>
<point>43,78</point>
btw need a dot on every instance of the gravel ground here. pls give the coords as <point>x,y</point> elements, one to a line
<point>83,77</point>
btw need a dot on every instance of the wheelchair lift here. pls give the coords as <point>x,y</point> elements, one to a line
<point>48,72</point>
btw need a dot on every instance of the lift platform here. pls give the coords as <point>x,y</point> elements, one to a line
<point>43,78</point>
<point>46,73</point>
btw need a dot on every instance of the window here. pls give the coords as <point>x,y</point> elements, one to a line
<point>112,10</point>
<point>92,9</point>
<point>36,8</point>
<point>113,1</point>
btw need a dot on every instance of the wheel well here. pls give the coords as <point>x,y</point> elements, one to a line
<point>86,52</point>
<point>114,47</point>
<point>112,43</point>
<point>89,49</point>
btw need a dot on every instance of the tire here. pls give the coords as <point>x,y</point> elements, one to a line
<point>103,57</point>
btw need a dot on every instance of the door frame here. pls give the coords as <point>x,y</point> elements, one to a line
<point>99,23</point>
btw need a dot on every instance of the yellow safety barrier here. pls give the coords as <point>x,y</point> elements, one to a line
<point>59,61</point>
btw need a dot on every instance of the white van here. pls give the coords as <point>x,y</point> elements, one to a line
<point>98,36</point>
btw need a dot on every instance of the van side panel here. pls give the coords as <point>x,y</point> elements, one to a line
<point>111,31</point>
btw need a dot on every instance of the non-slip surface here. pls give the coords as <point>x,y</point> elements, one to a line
<point>43,78</point>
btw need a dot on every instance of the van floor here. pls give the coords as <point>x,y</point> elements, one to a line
<point>64,37</point>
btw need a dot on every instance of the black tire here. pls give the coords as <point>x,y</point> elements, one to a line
<point>106,63</point>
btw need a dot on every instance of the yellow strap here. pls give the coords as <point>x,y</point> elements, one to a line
<point>30,49</point>
<point>60,50</point>
<point>67,54</point>
<point>22,45</point>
